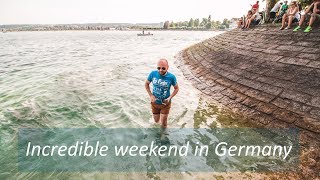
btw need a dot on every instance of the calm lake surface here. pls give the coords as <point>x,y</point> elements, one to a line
<point>89,79</point>
<point>83,78</point>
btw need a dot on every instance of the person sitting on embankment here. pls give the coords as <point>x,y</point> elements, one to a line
<point>274,11</point>
<point>254,19</point>
<point>312,13</point>
<point>240,23</point>
<point>282,11</point>
<point>291,16</point>
<point>248,16</point>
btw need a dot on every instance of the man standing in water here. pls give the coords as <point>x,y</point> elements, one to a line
<point>160,97</point>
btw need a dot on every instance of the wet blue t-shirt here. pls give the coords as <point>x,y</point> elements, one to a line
<point>161,85</point>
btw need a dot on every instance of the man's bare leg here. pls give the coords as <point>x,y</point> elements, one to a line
<point>284,18</point>
<point>303,17</point>
<point>164,120</point>
<point>156,117</point>
<point>312,19</point>
<point>290,19</point>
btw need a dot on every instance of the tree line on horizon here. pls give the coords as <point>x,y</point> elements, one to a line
<point>195,23</point>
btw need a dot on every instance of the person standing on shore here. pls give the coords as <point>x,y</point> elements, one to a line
<point>160,98</point>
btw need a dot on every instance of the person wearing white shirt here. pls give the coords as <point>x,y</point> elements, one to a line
<point>291,16</point>
<point>274,10</point>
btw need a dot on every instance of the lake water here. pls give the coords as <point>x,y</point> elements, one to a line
<point>80,79</point>
<point>89,79</point>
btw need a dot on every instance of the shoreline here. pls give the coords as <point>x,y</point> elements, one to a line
<point>139,30</point>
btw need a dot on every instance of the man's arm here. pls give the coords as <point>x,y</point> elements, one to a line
<point>253,17</point>
<point>315,7</point>
<point>309,8</point>
<point>152,97</point>
<point>175,91</point>
<point>296,9</point>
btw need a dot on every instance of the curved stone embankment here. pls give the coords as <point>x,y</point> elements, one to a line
<point>268,75</point>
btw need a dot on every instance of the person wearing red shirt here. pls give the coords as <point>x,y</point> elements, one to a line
<point>256,6</point>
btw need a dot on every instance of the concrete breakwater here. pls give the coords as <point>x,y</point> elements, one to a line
<point>268,76</point>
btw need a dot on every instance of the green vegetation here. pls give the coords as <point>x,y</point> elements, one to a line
<point>204,24</point>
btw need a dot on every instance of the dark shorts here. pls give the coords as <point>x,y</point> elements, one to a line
<point>255,22</point>
<point>160,108</point>
<point>272,15</point>
<point>317,18</point>
<point>307,17</point>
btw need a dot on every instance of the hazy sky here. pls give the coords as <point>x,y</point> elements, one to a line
<point>124,11</point>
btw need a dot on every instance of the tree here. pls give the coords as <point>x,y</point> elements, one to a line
<point>191,23</point>
<point>204,22</point>
<point>217,24</point>
<point>185,23</point>
<point>270,4</point>
<point>172,25</point>
<point>222,26</point>
<point>305,3</point>
<point>196,23</point>
<point>226,23</point>
<point>209,25</point>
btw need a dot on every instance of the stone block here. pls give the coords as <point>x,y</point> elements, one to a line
<point>309,56</point>
<point>296,96</point>
<point>315,113</point>
<point>309,124</point>
<point>260,95</point>
<point>280,102</point>
<point>288,53</point>
<point>315,101</point>
<point>249,75</point>
<point>216,96</point>
<point>230,93</point>
<point>290,48</point>
<point>217,88</point>
<point>296,61</point>
<point>251,83</point>
<point>279,74</point>
<point>298,107</point>
<point>311,49</point>
<point>265,119</point>
<point>213,75</point>
<point>270,89</point>
<point>233,77</point>
<point>306,44</point>
<point>200,86</point>
<point>250,102</point>
<point>315,64</point>
<point>286,116</point>
<point>265,79</point>
<point>210,82</point>
<point>239,88</point>
<point>271,51</point>
<point>278,124</point>
<point>266,108</point>
<point>225,100</point>
<point>225,82</point>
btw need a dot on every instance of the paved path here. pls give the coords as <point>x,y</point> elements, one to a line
<point>270,76</point>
